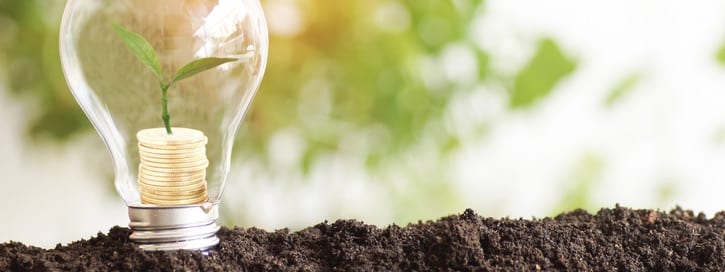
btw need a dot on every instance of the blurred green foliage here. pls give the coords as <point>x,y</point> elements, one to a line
<point>345,71</point>
<point>373,68</point>
<point>720,55</point>
<point>667,190</point>
<point>548,66</point>
<point>582,184</point>
<point>31,66</point>
<point>622,89</point>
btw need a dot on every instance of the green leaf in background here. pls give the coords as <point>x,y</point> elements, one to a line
<point>141,48</point>
<point>198,66</point>
<point>536,81</point>
<point>622,88</point>
<point>721,54</point>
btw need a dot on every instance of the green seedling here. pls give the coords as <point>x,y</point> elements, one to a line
<point>147,55</point>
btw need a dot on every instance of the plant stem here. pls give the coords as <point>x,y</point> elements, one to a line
<point>165,108</point>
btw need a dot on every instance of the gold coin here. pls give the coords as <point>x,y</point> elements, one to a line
<point>181,176</point>
<point>189,169</point>
<point>198,154</point>
<point>146,159</point>
<point>178,194</point>
<point>171,156</point>
<point>176,179</point>
<point>200,199</point>
<point>173,197</point>
<point>182,167</point>
<point>175,194</point>
<point>191,199</point>
<point>166,184</point>
<point>173,181</point>
<point>178,150</point>
<point>174,147</point>
<point>170,174</point>
<point>167,187</point>
<point>180,136</point>
<point>175,165</point>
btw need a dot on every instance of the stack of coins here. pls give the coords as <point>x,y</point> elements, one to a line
<point>173,166</point>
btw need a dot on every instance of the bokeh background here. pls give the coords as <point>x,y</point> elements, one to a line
<point>394,111</point>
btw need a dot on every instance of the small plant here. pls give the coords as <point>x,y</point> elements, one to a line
<point>146,54</point>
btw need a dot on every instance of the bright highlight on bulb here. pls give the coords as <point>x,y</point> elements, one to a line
<point>166,83</point>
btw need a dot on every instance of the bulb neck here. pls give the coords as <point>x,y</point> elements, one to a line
<point>187,227</point>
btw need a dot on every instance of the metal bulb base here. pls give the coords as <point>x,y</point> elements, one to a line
<point>187,227</point>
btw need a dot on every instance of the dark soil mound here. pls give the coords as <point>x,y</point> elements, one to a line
<point>613,239</point>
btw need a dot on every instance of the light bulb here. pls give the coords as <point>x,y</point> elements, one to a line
<point>166,84</point>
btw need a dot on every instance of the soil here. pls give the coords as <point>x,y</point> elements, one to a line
<point>612,239</point>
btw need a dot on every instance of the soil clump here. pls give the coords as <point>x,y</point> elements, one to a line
<point>612,239</point>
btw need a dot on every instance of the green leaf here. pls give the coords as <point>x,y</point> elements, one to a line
<point>720,56</point>
<point>622,88</point>
<point>536,81</point>
<point>141,48</point>
<point>198,66</point>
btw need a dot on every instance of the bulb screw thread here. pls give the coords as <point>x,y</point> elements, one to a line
<point>161,228</point>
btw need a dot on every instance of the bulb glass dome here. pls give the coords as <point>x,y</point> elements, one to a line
<point>121,95</point>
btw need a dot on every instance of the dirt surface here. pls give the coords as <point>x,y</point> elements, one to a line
<point>613,239</point>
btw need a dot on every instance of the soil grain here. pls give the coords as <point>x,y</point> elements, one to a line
<point>613,239</point>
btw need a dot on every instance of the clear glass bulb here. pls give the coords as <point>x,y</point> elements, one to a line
<point>122,95</point>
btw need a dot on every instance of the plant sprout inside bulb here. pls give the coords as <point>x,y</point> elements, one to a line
<point>137,67</point>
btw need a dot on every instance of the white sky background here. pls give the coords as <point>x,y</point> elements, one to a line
<point>663,130</point>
